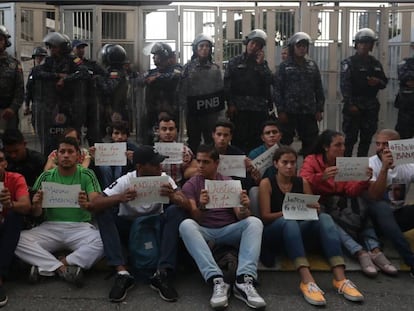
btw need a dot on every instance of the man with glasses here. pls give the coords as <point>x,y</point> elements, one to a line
<point>298,94</point>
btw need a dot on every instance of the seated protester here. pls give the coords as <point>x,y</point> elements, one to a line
<point>167,130</point>
<point>389,186</point>
<point>319,170</point>
<point>14,202</point>
<point>271,135</point>
<point>108,174</point>
<point>63,228</point>
<point>222,136</point>
<point>21,159</point>
<point>147,163</point>
<point>228,226</point>
<point>84,159</point>
<point>279,232</point>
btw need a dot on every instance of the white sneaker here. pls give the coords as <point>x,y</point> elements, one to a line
<point>247,292</point>
<point>219,299</point>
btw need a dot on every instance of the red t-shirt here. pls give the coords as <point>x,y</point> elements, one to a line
<point>17,186</point>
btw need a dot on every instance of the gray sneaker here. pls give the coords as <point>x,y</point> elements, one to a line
<point>73,274</point>
<point>219,299</point>
<point>247,292</point>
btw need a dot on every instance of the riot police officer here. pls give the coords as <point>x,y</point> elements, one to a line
<point>94,100</point>
<point>60,98</point>
<point>113,86</point>
<point>362,76</point>
<point>160,88</point>
<point>38,56</point>
<point>11,84</point>
<point>247,83</point>
<point>405,98</point>
<point>298,94</point>
<point>201,93</point>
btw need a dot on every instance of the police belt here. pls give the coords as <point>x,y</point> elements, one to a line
<point>203,104</point>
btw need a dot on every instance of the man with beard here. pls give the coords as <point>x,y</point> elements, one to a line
<point>389,211</point>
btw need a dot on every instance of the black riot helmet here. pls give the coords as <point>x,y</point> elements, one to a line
<point>256,34</point>
<point>112,54</point>
<point>56,39</point>
<point>5,33</point>
<point>162,49</point>
<point>39,51</point>
<point>365,35</point>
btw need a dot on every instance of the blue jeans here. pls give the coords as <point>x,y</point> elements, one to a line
<point>294,235</point>
<point>109,174</point>
<point>245,234</point>
<point>170,221</point>
<point>9,237</point>
<point>110,237</point>
<point>368,236</point>
<point>392,223</point>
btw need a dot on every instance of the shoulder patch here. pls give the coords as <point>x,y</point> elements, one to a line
<point>77,61</point>
<point>113,74</point>
<point>345,66</point>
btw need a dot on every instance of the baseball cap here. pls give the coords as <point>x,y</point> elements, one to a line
<point>147,154</point>
<point>76,43</point>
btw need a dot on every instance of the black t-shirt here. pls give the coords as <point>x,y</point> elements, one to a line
<point>276,200</point>
<point>30,168</point>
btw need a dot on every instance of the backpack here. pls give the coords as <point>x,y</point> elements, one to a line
<point>226,257</point>
<point>144,245</point>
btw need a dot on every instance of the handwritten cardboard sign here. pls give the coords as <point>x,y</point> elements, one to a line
<point>223,193</point>
<point>174,151</point>
<point>265,160</point>
<point>232,165</point>
<point>351,169</point>
<point>58,195</point>
<point>148,190</point>
<point>110,154</point>
<point>295,206</point>
<point>402,150</point>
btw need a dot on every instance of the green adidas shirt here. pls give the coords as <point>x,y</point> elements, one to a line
<point>84,177</point>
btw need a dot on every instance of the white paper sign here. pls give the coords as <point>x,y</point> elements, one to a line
<point>223,193</point>
<point>58,195</point>
<point>265,160</point>
<point>174,151</point>
<point>352,169</point>
<point>148,190</point>
<point>295,206</point>
<point>402,150</point>
<point>232,165</point>
<point>110,154</point>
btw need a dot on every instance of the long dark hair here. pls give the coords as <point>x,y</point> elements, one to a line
<point>324,140</point>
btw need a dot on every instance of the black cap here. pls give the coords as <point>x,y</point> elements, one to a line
<point>147,154</point>
<point>77,43</point>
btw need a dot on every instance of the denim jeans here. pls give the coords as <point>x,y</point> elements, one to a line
<point>109,174</point>
<point>110,237</point>
<point>9,237</point>
<point>245,234</point>
<point>170,221</point>
<point>294,235</point>
<point>392,223</point>
<point>368,236</point>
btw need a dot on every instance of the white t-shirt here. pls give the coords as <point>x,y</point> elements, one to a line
<point>398,180</point>
<point>125,209</point>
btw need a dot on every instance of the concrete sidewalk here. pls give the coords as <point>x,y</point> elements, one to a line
<point>279,289</point>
